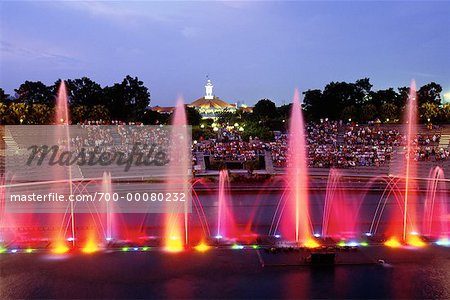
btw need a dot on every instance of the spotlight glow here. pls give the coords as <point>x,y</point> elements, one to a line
<point>29,250</point>
<point>125,249</point>
<point>202,247</point>
<point>60,249</point>
<point>174,244</point>
<point>443,242</point>
<point>415,241</point>
<point>317,235</point>
<point>341,244</point>
<point>237,247</point>
<point>311,244</point>
<point>90,247</point>
<point>393,243</point>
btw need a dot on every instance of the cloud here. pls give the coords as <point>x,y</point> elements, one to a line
<point>20,52</point>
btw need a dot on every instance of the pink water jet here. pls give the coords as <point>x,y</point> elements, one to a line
<point>295,223</point>
<point>341,210</point>
<point>436,219</point>
<point>226,226</point>
<point>176,223</point>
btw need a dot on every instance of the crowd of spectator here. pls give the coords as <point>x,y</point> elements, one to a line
<point>328,143</point>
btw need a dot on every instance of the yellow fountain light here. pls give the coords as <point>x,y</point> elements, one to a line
<point>415,241</point>
<point>60,249</point>
<point>29,250</point>
<point>202,247</point>
<point>90,247</point>
<point>311,243</point>
<point>174,244</point>
<point>393,243</point>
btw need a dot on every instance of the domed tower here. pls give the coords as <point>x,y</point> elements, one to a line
<point>209,89</point>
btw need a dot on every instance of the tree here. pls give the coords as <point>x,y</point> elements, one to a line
<point>128,100</point>
<point>40,114</point>
<point>265,109</point>
<point>34,92</point>
<point>349,113</point>
<point>99,112</point>
<point>389,112</point>
<point>4,113</point>
<point>428,111</point>
<point>368,112</point>
<point>193,116</point>
<point>18,113</point>
<point>313,105</point>
<point>430,93</point>
<point>84,91</point>
<point>80,113</point>
<point>380,97</point>
<point>3,96</point>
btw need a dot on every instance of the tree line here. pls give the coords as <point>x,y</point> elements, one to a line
<point>34,102</point>
<point>357,101</point>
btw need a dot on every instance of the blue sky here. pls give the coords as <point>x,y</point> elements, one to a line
<point>251,50</point>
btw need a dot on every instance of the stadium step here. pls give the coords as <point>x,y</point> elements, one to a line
<point>269,162</point>
<point>11,145</point>
<point>444,141</point>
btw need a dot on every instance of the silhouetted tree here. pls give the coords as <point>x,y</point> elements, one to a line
<point>128,100</point>
<point>34,92</point>
<point>3,96</point>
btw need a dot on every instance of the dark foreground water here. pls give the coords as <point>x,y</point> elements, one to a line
<point>226,273</point>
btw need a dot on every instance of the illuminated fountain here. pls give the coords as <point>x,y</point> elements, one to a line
<point>293,210</point>
<point>436,219</point>
<point>226,226</point>
<point>176,223</point>
<point>341,211</point>
<point>62,134</point>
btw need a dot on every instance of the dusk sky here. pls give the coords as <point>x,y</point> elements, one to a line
<point>251,50</point>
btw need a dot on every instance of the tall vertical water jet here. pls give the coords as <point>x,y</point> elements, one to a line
<point>176,223</point>
<point>107,189</point>
<point>226,226</point>
<point>409,209</point>
<point>63,134</point>
<point>296,224</point>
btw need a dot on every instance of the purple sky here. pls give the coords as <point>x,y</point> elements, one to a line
<point>251,50</point>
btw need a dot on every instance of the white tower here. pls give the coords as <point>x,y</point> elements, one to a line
<point>209,90</point>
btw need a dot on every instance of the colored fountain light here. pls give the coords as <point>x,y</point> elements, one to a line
<point>311,243</point>
<point>125,249</point>
<point>176,223</point>
<point>364,244</point>
<point>174,244</point>
<point>29,250</point>
<point>3,250</point>
<point>202,247</point>
<point>443,242</point>
<point>341,210</point>
<point>237,247</point>
<point>295,217</point>
<point>414,240</point>
<point>90,247</point>
<point>60,249</point>
<point>226,226</point>
<point>393,243</point>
